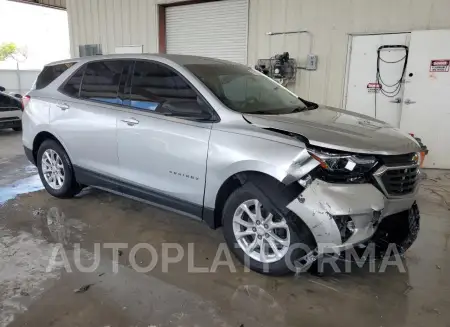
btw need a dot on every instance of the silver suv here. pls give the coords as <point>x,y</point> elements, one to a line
<point>288,180</point>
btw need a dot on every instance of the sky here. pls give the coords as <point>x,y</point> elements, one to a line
<point>44,32</point>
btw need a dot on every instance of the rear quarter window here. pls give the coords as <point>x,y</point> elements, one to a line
<point>50,73</point>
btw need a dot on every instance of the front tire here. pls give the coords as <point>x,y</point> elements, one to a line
<point>56,171</point>
<point>267,243</point>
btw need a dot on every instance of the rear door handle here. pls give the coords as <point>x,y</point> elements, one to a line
<point>63,106</point>
<point>408,101</point>
<point>396,100</point>
<point>131,121</point>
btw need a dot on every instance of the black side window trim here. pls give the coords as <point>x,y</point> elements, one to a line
<point>84,67</point>
<point>215,117</point>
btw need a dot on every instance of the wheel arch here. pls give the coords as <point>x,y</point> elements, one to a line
<point>40,138</point>
<point>272,187</point>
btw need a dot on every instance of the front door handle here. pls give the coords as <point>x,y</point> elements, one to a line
<point>63,106</point>
<point>408,101</point>
<point>396,100</point>
<point>131,121</point>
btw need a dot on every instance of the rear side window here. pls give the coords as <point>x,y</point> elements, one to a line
<point>101,81</point>
<point>50,73</point>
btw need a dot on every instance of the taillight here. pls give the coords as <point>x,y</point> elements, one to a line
<point>25,100</point>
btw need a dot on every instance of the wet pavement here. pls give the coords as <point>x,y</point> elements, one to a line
<point>36,291</point>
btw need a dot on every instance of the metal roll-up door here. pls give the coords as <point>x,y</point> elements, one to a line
<point>213,29</point>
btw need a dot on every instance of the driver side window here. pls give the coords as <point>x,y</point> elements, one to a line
<point>156,88</point>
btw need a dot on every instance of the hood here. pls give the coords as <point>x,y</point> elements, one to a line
<point>340,130</point>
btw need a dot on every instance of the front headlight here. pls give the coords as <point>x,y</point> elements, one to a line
<point>333,161</point>
<point>343,167</point>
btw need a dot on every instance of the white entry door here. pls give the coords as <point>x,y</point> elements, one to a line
<point>366,94</point>
<point>426,105</point>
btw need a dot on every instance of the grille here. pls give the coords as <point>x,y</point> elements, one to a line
<point>397,181</point>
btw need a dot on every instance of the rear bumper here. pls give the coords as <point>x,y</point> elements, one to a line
<point>10,123</point>
<point>29,154</point>
<point>322,204</point>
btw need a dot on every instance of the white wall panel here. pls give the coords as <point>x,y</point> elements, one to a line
<point>328,21</point>
<point>18,81</point>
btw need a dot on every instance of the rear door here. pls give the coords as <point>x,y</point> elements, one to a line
<point>163,153</point>
<point>84,117</point>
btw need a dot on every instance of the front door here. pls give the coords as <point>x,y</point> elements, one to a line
<point>426,103</point>
<point>162,150</point>
<point>375,85</point>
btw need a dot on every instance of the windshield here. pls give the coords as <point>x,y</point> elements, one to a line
<point>244,90</point>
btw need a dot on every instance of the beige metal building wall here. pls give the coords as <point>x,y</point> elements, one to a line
<point>329,22</point>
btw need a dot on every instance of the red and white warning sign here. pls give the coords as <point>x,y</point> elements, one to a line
<point>373,87</point>
<point>440,65</point>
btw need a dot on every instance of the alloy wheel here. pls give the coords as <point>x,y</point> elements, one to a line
<point>53,169</point>
<point>261,235</point>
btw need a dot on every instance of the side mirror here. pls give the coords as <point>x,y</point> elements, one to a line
<point>194,109</point>
<point>2,89</point>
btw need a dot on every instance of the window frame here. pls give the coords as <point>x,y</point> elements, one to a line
<point>84,66</point>
<point>215,118</point>
<point>118,86</point>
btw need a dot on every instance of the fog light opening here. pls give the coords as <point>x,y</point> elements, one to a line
<point>346,227</point>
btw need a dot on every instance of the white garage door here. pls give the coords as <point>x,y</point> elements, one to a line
<point>213,29</point>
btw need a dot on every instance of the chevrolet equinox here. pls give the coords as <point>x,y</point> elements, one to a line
<point>225,144</point>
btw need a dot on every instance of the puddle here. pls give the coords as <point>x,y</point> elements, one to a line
<point>54,227</point>
<point>26,185</point>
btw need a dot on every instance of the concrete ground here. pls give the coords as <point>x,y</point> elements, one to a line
<point>35,227</point>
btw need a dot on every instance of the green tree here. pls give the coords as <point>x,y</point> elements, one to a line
<point>8,50</point>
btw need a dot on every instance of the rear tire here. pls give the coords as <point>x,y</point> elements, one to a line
<point>56,171</point>
<point>289,233</point>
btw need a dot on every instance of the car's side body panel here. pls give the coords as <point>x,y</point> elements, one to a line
<point>231,152</point>
<point>35,120</point>
<point>89,132</point>
<point>170,156</point>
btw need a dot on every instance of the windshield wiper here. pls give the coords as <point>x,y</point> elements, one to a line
<point>260,112</point>
<point>300,109</point>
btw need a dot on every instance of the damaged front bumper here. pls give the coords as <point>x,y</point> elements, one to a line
<point>341,216</point>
